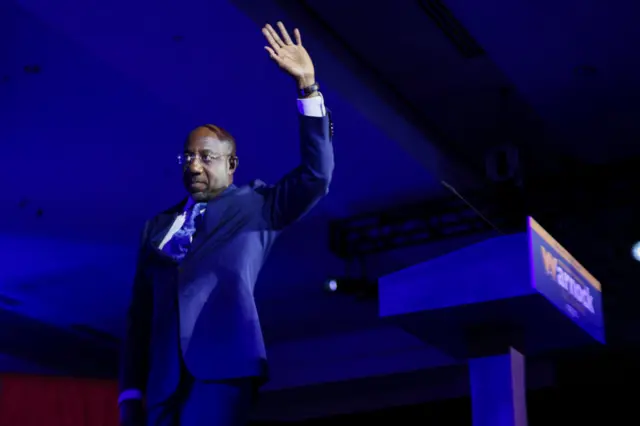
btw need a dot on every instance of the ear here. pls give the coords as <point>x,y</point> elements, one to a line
<point>233,163</point>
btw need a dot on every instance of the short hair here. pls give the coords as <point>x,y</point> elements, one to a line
<point>221,134</point>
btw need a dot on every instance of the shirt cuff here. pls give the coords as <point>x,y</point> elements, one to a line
<point>129,394</point>
<point>312,107</point>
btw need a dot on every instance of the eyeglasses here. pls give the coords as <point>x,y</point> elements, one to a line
<point>206,158</point>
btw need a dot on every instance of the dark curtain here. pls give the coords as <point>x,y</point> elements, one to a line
<point>57,401</point>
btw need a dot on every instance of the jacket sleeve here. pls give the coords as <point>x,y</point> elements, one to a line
<point>301,189</point>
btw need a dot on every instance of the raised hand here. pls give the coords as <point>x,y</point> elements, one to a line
<point>291,57</point>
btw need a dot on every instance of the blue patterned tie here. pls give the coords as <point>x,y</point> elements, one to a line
<point>178,246</point>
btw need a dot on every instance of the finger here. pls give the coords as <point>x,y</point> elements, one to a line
<point>267,34</point>
<point>298,37</point>
<point>275,35</point>
<point>285,34</point>
<point>272,54</point>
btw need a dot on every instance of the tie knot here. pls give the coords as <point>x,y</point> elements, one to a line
<point>194,212</point>
<point>197,207</point>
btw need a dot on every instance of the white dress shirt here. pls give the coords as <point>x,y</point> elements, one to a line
<point>311,107</point>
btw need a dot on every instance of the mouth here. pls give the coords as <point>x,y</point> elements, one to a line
<point>197,186</point>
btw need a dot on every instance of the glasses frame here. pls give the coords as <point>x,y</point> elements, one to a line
<point>187,159</point>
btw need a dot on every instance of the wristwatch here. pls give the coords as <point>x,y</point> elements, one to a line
<point>309,90</point>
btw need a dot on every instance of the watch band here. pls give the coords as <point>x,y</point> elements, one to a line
<point>309,90</point>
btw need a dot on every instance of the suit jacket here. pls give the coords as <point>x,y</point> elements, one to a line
<point>202,310</point>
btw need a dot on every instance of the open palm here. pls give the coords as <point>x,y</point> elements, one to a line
<point>291,57</point>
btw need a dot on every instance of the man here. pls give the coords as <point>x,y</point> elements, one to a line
<point>193,352</point>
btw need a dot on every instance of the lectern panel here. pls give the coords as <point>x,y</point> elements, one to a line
<point>564,282</point>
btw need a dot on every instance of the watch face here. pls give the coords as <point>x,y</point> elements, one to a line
<point>310,89</point>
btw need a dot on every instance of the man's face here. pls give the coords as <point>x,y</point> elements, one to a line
<point>209,169</point>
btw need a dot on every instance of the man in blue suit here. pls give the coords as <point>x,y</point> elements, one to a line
<point>193,352</point>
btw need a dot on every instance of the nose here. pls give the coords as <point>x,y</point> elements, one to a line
<point>195,166</point>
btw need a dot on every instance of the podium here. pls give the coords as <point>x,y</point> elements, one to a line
<point>491,304</point>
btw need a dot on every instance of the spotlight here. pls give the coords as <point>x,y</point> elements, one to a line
<point>331,285</point>
<point>352,286</point>
<point>635,251</point>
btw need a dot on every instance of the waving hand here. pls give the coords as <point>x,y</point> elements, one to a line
<point>290,56</point>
